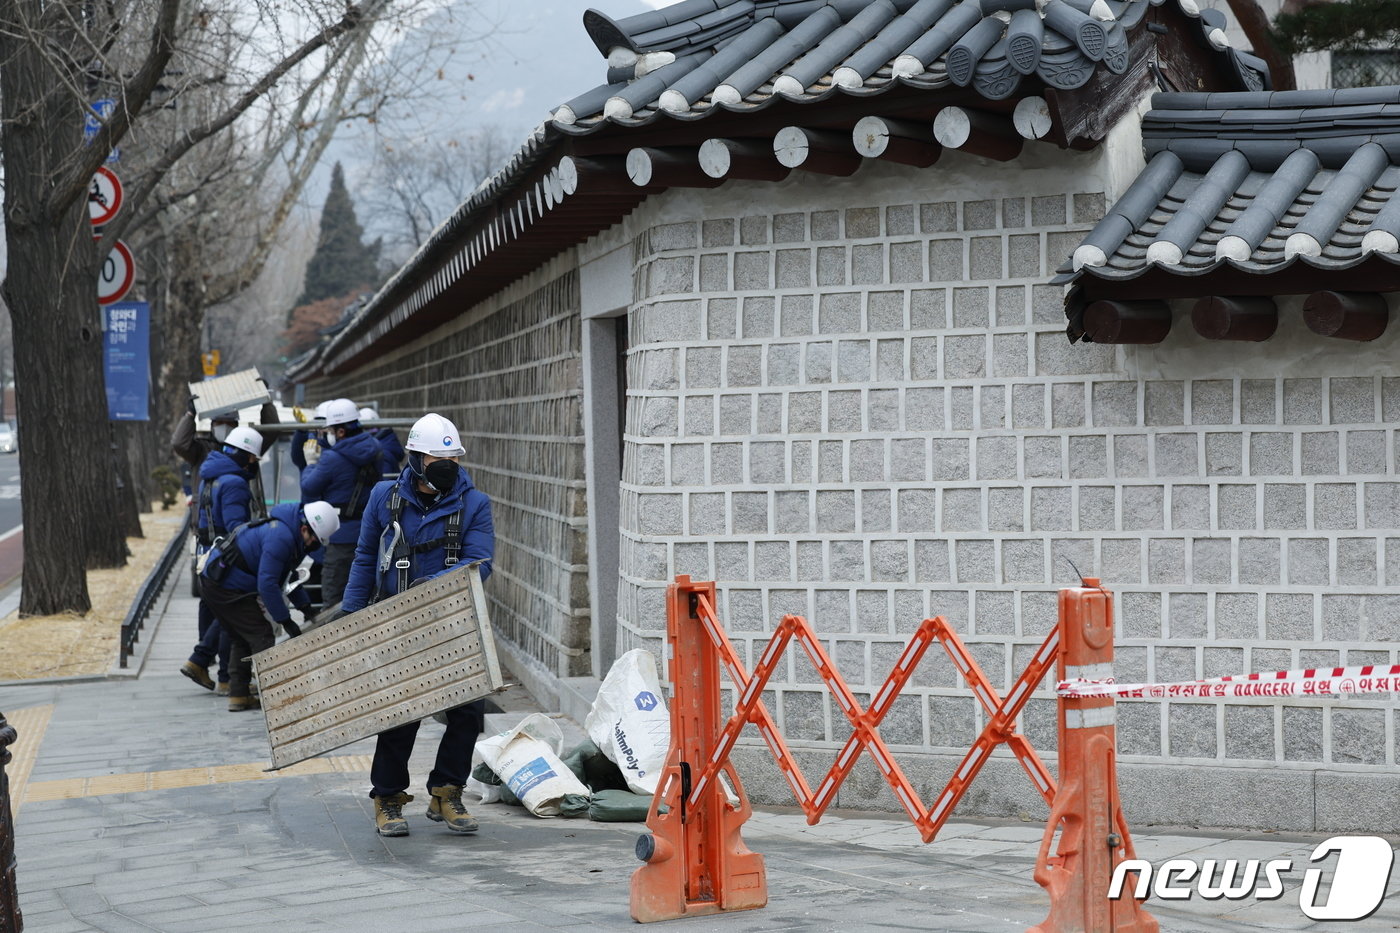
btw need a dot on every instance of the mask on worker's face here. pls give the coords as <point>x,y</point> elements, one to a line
<point>329,438</point>
<point>441,475</point>
<point>221,430</point>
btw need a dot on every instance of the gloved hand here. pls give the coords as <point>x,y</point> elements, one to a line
<point>312,450</point>
<point>292,628</point>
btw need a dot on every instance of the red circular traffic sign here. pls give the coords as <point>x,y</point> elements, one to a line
<point>104,196</point>
<point>116,275</point>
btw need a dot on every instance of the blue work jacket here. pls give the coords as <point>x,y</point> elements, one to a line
<point>229,503</point>
<point>393,449</point>
<point>419,524</point>
<point>332,478</point>
<point>275,549</point>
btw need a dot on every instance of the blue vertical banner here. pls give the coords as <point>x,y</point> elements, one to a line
<point>126,360</point>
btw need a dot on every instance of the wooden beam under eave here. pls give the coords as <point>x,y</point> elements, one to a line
<point>668,168</point>
<point>826,152</point>
<point>978,133</point>
<point>1239,318</point>
<point>907,142</point>
<point>1127,321</point>
<point>746,159</point>
<point>1346,315</point>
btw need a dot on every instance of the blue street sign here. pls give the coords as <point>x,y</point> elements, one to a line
<point>98,113</point>
<point>126,352</point>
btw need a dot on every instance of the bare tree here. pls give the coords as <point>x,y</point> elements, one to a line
<point>414,184</point>
<point>56,56</point>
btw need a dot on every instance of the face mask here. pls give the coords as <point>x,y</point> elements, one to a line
<point>330,438</point>
<point>221,431</point>
<point>441,475</point>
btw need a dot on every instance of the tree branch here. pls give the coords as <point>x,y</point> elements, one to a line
<point>134,96</point>
<point>190,138</point>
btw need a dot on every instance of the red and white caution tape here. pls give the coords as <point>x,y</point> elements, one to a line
<point>1321,681</point>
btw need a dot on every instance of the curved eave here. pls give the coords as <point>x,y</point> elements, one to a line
<point>759,100</point>
<point>1301,275</point>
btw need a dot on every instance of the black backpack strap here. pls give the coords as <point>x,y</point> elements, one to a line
<point>365,479</point>
<point>231,555</point>
<point>209,532</point>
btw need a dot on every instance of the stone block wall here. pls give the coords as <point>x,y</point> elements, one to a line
<point>507,372</point>
<point>862,408</point>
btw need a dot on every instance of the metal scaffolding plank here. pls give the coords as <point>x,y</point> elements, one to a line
<point>421,652</point>
<point>228,393</point>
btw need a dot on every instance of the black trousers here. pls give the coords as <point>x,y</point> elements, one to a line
<point>248,630</point>
<point>389,773</point>
<point>335,572</point>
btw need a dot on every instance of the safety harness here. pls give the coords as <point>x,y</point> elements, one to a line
<point>400,553</point>
<point>230,555</point>
<point>206,532</point>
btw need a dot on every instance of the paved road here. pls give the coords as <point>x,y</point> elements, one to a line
<point>144,807</point>
<point>11,521</point>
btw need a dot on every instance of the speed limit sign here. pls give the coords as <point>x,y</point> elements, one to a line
<point>116,275</point>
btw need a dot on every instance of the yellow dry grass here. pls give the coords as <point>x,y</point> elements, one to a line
<point>70,644</point>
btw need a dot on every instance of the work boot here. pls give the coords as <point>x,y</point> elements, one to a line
<point>199,675</point>
<point>222,689</point>
<point>239,704</point>
<point>446,807</point>
<point>388,814</point>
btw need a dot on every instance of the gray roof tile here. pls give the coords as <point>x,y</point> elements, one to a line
<point>1255,184</point>
<point>863,47</point>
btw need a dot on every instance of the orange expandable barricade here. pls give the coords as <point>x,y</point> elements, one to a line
<point>695,858</point>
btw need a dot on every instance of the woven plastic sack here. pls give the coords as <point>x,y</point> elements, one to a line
<point>629,722</point>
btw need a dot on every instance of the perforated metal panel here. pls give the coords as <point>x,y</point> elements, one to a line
<point>415,654</point>
<point>228,393</point>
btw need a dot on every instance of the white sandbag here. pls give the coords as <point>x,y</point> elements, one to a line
<point>526,759</point>
<point>629,722</point>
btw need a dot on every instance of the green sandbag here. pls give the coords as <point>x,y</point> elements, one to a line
<point>573,806</point>
<point>619,806</point>
<point>593,768</point>
<point>485,775</point>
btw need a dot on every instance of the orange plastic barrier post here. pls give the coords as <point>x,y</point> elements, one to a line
<point>1093,836</point>
<point>695,859</point>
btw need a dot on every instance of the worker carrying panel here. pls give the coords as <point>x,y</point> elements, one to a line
<point>420,652</point>
<point>229,393</point>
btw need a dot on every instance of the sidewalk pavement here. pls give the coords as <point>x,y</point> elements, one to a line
<point>142,805</point>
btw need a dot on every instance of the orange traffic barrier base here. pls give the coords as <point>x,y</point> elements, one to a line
<point>695,858</point>
<point>1086,811</point>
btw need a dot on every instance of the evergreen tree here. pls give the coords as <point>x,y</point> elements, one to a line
<point>341,262</point>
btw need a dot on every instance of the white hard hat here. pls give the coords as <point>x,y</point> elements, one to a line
<point>340,411</point>
<point>434,435</point>
<point>245,438</point>
<point>320,413</point>
<point>368,414</point>
<point>322,518</point>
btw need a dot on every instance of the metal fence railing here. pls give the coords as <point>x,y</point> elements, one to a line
<point>151,589</point>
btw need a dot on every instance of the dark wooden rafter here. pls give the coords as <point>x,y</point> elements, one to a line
<point>1241,318</point>
<point>672,167</point>
<point>978,133</point>
<point>1127,321</point>
<point>1346,315</point>
<point>746,159</point>
<point>904,141</point>
<point>826,152</point>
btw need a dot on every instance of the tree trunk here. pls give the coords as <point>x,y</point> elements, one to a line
<point>1255,23</point>
<point>50,290</point>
